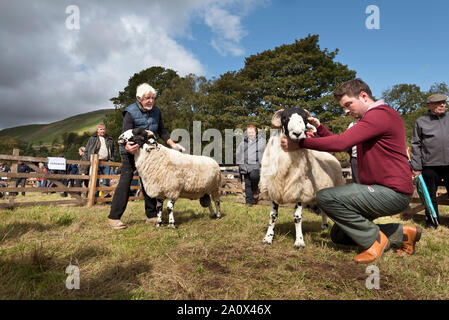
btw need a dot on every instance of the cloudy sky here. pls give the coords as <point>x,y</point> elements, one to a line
<point>50,69</point>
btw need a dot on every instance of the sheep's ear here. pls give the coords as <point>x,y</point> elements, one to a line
<point>276,120</point>
<point>308,113</point>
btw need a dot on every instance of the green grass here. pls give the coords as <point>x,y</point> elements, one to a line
<point>46,133</point>
<point>202,258</point>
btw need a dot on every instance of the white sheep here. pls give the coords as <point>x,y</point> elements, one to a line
<point>169,174</point>
<point>295,176</point>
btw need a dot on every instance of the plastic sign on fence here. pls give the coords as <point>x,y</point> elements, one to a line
<point>55,163</point>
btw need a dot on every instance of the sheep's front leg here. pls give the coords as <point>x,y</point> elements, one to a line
<point>273,217</point>
<point>159,207</point>
<point>217,207</point>
<point>171,216</point>
<point>299,242</point>
<point>324,224</point>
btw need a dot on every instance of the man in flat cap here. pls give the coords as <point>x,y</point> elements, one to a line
<point>430,149</point>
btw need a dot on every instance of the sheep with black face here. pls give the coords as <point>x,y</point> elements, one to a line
<point>169,174</point>
<point>296,176</point>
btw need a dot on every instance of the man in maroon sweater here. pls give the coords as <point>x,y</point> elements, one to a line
<point>384,173</point>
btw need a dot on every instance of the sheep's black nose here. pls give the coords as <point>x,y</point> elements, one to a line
<point>296,134</point>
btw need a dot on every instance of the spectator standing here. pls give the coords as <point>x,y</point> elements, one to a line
<point>41,181</point>
<point>103,145</point>
<point>22,168</point>
<point>249,158</point>
<point>430,149</point>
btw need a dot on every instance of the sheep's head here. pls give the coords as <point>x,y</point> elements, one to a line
<point>293,122</point>
<point>139,136</point>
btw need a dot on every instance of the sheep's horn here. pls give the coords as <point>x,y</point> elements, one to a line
<point>276,120</point>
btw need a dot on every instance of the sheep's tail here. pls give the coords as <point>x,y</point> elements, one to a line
<point>205,201</point>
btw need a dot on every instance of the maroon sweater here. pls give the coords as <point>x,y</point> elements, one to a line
<point>381,148</point>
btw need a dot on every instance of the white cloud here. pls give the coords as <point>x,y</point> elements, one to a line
<point>50,72</point>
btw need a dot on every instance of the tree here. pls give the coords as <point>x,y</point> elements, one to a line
<point>298,74</point>
<point>404,98</point>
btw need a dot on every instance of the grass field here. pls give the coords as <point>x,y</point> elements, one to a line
<point>202,258</point>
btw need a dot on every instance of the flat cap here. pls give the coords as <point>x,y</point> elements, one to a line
<point>436,98</point>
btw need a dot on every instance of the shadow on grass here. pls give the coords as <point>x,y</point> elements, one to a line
<point>181,216</point>
<point>17,229</point>
<point>421,218</point>
<point>288,228</point>
<point>38,274</point>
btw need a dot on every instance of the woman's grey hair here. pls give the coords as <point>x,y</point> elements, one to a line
<point>144,89</point>
<point>83,149</point>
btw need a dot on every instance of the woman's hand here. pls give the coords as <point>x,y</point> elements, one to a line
<point>131,147</point>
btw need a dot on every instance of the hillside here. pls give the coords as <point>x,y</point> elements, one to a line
<point>46,133</point>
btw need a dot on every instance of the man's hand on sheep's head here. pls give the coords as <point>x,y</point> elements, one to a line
<point>131,147</point>
<point>314,121</point>
<point>288,145</point>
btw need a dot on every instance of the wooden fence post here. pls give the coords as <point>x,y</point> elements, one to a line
<point>94,162</point>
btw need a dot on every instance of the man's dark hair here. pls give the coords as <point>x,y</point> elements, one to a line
<point>352,88</point>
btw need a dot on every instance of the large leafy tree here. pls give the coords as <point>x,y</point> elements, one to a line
<point>297,74</point>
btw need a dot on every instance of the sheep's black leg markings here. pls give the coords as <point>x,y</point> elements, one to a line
<point>299,242</point>
<point>211,210</point>
<point>171,217</point>
<point>324,224</point>
<point>273,217</point>
<point>159,207</point>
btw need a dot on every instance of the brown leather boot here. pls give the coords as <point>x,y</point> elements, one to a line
<point>375,251</point>
<point>411,236</point>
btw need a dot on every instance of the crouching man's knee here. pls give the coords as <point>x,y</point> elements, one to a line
<point>323,197</point>
<point>327,201</point>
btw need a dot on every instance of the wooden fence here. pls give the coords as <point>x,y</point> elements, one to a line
<point>231,184</point>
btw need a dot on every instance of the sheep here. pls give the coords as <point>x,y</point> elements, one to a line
<point>295,176</point>
<point>169,174</point>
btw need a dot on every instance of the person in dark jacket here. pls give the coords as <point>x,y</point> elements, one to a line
<point>103,145</point>
<point>22,168</point>
<point>430,149</point>
<point>249,158</point>
<point>141,114</point>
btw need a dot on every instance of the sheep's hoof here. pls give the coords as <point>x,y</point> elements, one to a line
<point>299,246</point>
<point>213,216</point>
<point>267,242</point>
<point>172,226</point>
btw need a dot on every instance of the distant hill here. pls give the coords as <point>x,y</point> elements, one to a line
<point>46,133</point>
